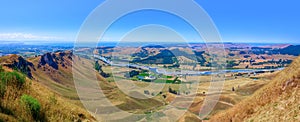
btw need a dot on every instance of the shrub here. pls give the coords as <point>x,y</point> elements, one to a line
<point>97,66</point>
<point>32,104</point>
<point>19,78</point>
<point>12,78</point>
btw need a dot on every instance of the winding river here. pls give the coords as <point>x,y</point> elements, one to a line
<point>182,72</point>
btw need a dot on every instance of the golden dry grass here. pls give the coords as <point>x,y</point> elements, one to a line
<point>65,87</point>
<point>53,107</point>
<point>283,91</point>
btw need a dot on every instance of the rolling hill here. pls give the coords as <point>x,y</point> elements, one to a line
<point>277,101</point>
<point>290,50</point>
<point>52,74</point>
<point>49,80</point>
<point>24,99</point>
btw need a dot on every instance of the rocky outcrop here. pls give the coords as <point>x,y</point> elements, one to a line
<point>48,58</point>
<point>20,64</point>
<point>53,60</point>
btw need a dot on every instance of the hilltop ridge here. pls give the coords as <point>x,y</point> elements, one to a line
<point>18,63</point>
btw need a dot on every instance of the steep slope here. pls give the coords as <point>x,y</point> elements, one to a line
<point>23,99</point>
<point>277,101</point>
<point>18,63</point>
<point>54,71</point>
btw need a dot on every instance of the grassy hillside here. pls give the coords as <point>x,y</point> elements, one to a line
<point>53,71</point>
<point>277,101</point>
<point>22,99</point>
<point>51,84</point>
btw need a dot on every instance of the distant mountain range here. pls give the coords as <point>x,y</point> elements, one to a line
<point>49,79</point>
<point>290,50</point>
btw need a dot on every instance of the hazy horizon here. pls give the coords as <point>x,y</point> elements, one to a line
<point>236,21</point>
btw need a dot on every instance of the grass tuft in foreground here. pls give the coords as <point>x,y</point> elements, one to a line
<point>32,104</point>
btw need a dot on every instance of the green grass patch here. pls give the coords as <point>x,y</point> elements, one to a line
<point>166,76</point>
<point>144,74</point>
<point>134,78</point>
<point>32,104</point>
<point>163,81</point>
<point>10,78</point>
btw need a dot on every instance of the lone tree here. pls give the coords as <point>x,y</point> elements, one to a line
<point>98,68</point>
<point>172,91</point>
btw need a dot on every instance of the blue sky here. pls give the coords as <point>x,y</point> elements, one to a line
<point>237,20</point>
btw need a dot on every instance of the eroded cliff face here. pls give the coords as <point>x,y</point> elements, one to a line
<point>50,63</point>
<point>18,94</point>
<point>53,60</point>
<point>18,63</point>
<point>48,59</point>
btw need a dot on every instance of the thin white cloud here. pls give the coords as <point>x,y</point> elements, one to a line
<point>26,36</point>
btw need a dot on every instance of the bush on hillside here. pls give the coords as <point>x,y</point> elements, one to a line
<point>33,105</point>
<point>10,78</point>
<point>18,78</point>
<point>97,66</point>
<point>13,78</point>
